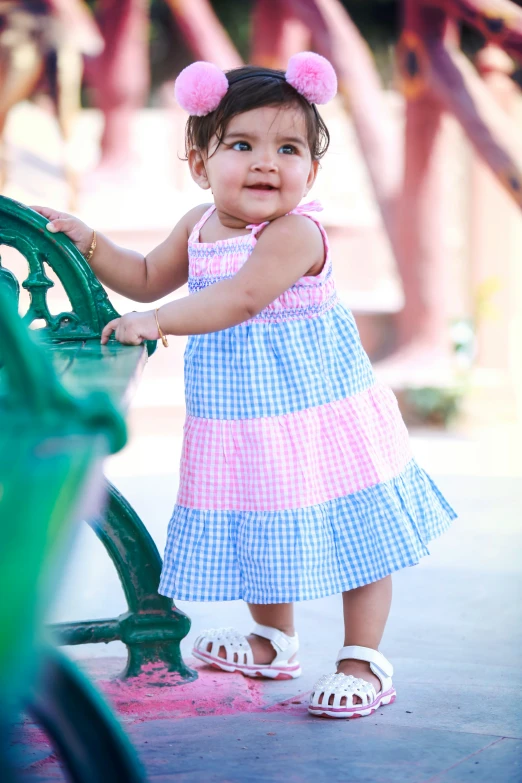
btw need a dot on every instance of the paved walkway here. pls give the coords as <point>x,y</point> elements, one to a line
<point>454,637</point>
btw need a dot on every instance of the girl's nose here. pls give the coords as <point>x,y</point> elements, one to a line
<point>265,165</point>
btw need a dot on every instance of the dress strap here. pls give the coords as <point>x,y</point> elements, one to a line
<point>256,228</point>
<point>301,209</point>
<point>305,209</point>
<point>310,206</point>
<point>194,234</point>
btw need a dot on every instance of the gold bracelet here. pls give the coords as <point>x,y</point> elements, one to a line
<point>163,338</point>
<point>92,248</point>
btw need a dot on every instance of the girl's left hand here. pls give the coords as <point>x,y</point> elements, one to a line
<point>132,328</point>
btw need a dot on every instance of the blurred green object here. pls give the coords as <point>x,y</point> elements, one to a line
<point>94,386</point>
<point>48,443</point>
<point>432,405</point>
<point>51,450</point>
<point>441,405</point>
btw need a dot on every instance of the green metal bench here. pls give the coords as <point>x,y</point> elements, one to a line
<point>51,450</point>
<point>152,628</point>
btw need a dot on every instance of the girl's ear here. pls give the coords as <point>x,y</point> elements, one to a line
<point>314,168</point>
<point>197,169</point>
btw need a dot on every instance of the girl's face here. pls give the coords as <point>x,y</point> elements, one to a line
<point>261,170</point>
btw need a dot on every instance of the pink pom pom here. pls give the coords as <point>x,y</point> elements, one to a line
<point>312,76</point>
<point>200,87</point>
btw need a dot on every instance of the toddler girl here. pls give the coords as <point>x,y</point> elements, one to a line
<point>297,479</point>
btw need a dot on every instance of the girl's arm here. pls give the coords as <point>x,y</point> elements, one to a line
<point>290,247</point>
<point>138,277</point>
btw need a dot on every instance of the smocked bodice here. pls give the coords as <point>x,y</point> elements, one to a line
<point>210,262</point>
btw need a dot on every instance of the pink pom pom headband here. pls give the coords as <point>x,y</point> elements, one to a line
<point>201,86</point>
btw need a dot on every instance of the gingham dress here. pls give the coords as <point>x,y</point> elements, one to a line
<point>297,479</point>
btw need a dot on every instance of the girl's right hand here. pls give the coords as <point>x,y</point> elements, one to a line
<point>77,231</point>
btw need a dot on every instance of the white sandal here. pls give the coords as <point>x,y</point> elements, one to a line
<point>239,656</point>
<point>346,686</point>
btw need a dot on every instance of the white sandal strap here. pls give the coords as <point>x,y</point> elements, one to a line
<point>284,645</point>
<point>379,665</point>
<point>238,650</point>
<point>279,639</point>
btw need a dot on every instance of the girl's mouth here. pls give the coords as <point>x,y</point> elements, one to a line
<point>261,186</point>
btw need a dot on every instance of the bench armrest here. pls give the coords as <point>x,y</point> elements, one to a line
<point>34,391</point>
<point>24,229</point>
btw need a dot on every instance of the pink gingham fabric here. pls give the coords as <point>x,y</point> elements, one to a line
<point>296,460</point>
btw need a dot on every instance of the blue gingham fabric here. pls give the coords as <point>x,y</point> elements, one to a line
<point>305,553</point>
<point>258,369</point>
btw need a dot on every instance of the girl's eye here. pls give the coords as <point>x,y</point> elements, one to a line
<point>288,149</point>
<point>241,146</point>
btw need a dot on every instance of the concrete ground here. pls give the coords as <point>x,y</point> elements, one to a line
<point>454,637</point>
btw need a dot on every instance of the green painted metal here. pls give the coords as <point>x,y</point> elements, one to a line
<point>50,468</point>
<point>24,229</point>
<point>75,379</point>
<point>31,389</point>
<point>152,628</point>
<point>35,513</point>
<point>89,366</point>
<point>90,741</point>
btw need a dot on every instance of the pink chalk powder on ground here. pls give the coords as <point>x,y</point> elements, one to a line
<point>160,694</point>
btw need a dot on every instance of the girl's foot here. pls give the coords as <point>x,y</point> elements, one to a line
<point>266,652</point>
<point>359,670</point>
<point>360,686</point>
<point>262,649</point>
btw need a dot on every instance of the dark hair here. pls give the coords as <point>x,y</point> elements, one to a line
<point>251,87</point>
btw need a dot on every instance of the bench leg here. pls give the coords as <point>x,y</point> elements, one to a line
<point>153,628</point>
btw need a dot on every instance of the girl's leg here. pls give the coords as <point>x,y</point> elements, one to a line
<point>280,616</point>
<point>366,611</point>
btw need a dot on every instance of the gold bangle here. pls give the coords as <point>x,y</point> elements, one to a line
<point>92,248</point>
<point>163,338</point>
